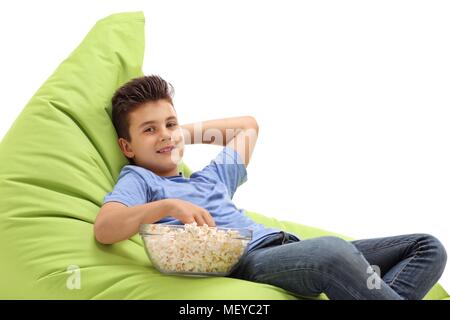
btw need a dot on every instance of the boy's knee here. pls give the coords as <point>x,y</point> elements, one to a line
<point>438,248</point>
<point>433,248</point>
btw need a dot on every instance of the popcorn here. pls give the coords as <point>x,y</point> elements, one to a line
<point>193,249</point>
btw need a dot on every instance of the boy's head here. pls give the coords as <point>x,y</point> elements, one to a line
<point>145,121</point>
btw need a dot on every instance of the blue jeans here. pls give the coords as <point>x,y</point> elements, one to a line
<point>393,268</point>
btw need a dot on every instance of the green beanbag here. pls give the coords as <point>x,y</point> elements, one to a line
<point>59,159</point>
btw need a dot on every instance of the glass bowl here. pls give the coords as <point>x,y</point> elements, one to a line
<point>192,250</point>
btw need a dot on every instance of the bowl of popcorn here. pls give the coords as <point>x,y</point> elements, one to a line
<point>194,250</point>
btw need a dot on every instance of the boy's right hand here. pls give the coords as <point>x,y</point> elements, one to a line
<point>188,212</point>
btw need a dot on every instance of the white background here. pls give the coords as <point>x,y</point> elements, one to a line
<point>352,97</point>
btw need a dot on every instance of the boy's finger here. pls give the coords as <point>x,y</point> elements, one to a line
<point>200,221</point>
<point>210,220</point>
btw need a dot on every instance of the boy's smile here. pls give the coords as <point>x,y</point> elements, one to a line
<point>166,150</point>
<point>157,142</point>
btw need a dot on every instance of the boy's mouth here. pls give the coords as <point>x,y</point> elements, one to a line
<point>166,149</point>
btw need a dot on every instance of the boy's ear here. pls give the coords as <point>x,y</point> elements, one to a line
<point>125,146</point>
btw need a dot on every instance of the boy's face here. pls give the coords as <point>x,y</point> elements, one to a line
<point>153,126</point>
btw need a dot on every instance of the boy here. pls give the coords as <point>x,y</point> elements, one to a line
<point>151,190</point>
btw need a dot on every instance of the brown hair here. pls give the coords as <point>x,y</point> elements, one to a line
<point>133,94</point>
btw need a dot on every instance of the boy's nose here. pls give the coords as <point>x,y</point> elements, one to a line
<point>166,136</point>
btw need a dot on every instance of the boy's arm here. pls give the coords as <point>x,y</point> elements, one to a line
<point>239,133</point>
<point>116,222</point>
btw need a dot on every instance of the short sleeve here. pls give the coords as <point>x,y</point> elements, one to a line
<point>228,168</point>
<point>130,189</point>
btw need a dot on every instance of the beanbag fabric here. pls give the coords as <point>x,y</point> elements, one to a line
<point>59,159</point>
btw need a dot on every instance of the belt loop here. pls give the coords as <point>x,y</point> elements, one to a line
<point>285,237</point>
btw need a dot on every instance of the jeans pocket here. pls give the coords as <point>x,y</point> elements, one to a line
<point>271,240</point>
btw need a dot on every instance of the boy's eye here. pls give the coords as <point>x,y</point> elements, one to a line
<point>173,124</point>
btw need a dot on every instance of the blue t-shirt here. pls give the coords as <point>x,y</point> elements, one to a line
<point>211,188</point>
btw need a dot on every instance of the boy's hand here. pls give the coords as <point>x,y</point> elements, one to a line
<point>188,212</point>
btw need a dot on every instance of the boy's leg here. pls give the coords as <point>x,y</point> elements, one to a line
<point>409,264</point>
<point>310,267</point>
